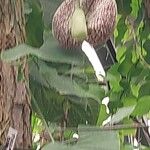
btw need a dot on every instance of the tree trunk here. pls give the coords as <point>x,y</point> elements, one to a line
<point>147,7</point>
<point>15,108</point>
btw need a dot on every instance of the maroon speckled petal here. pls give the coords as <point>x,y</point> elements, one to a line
<point>100,16</point>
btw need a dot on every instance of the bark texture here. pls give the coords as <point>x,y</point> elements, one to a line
<point>147,7</point>
<point>15,110</point>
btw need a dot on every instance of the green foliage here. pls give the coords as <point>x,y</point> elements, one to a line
<point>89,139</point>
<point>142,107</point>
<point>129,77</point>
<point>34,23</point>
<point>102,115</point>
<point>58,88</point>
<point>121,114</point>
<point>49,51</point>
<point>63,84</point>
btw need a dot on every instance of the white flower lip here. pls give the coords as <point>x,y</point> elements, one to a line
<point>93,58</point>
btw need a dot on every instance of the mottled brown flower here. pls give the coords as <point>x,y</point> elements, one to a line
<point>100,17</point>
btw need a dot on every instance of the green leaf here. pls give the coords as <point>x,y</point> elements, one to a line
<point>142,107</point>
<point>144,34</point>
<point>138,74</point>
<point>146,47</point>
<point>114,77</point>
<point>115,96</point>
<point>68,133</point>
<point>121,53</point>
<point>96,90</point>
<point>121,28</point>
<point>135,89</point>
<point>57,146</point>
<point>121,114</point>
<point>126,65</point>
<point>144,89</point>
<point>95,140</point>
<point>102,115</point>
<point>51,102</point>
<point>126,147</point>
<point>129,101</point>
<point>17,52</point>
<point>34,24</point>
<point>27,8</point>
<point>46,102</point>
<point>65,85</point>
<point>135,8</point>
<point>49,8</point>
<point>90,140</point>
<point>127,132</point>
<point>124,7</point>
<point>49,51</point>
<point>82,111</point>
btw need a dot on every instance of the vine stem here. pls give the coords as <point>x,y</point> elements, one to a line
<point>110,128</point>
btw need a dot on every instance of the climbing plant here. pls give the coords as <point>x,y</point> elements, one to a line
<point>66,96</point>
